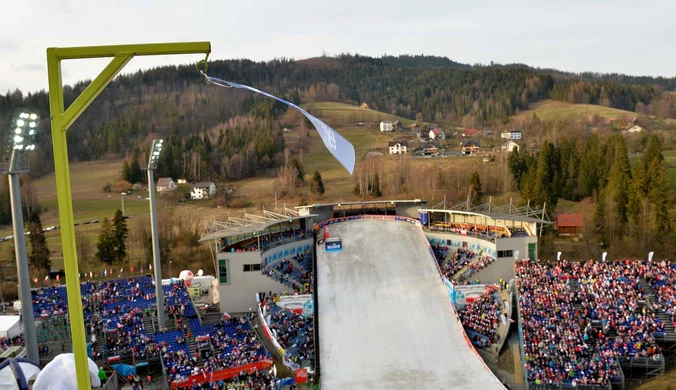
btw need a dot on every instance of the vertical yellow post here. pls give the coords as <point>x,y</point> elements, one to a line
<point>61,120</point>
<point>65,203</point>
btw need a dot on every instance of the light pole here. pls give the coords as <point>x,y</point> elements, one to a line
<point>169,269</point>
<point>122,195</point>
<point>155,150</point>
<point>21,139</point>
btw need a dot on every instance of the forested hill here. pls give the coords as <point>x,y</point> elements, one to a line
<point>175,102</point>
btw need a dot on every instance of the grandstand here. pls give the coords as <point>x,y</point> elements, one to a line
<point>119,317</point>
<point>378,314</point>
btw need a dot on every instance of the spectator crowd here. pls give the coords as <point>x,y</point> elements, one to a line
<point>580,320</point>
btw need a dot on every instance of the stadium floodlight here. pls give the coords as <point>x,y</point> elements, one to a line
<point>21,134</point>
<point>153,158</point>
<point>155,151</point>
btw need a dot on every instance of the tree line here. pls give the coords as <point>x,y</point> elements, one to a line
<point>631,201</point>
<point>174,101</point>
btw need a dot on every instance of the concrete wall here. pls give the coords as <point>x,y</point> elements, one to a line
<point>473,243</point>
<point>410,209</point>
<point>517,244</point>
<point>239,294</point>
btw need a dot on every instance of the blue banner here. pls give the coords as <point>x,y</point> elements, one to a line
<point>334,245</point>
<point>339,147</point>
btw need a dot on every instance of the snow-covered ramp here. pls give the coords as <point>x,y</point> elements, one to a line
<point>385,317</point>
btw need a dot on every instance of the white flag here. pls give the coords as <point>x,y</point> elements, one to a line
<point>150,267</point>
<point>604,256</point>
<point>558,256</point>
<point>650,255</point>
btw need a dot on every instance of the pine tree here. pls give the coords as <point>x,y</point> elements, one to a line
<point>126,171</point>
<point>600,218</point>
<point>619,178</point>
<point>105,246</point>
<point>39,255</point>
<point>660,196</point>
<point>589,166</point>
<point>119,235</point>
<point>476,187</point>
<point>135,172</point>
<point>317,184</point>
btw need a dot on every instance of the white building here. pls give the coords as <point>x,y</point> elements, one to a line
<point>634,129</point>
<point>166,184</point>
<point>509,146</point>
<point>398,147</point>
<point>437,133</point>
<point>511,134</point>
<point>203,190</point>
<point>386,126</point>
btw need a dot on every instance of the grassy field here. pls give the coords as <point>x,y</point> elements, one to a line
<point>555,110</point>
<point>340,113</point>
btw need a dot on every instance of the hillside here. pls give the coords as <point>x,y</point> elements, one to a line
<point>555,110</point>
<point>341,114</point>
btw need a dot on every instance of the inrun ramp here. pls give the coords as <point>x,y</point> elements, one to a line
<point>385,316</point>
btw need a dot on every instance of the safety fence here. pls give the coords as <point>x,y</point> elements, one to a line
<point>221,375</point>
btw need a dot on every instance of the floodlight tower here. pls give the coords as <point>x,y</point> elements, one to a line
<point>155,150</point>
<point>22,136</point>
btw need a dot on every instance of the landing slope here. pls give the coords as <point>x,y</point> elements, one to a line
<point>386,321</point>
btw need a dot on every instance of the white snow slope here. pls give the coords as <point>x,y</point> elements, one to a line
<point>385,317</point>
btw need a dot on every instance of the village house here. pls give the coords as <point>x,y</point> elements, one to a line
<point>569,224</point>
<point>398,147</point>
<point>437,133</point>
<point>471,147</point>
<point>468,132</point>
<point>509,146</point>
<point>511,134</point>
<point>203,190</point>
<point>430,148</point>
<point>166,184</point>
<point>386,126</point>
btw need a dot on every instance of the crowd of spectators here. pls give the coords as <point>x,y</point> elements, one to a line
<point>300,279</point>
<point>519,232</point>
<point>440,252</point>
<point>662,278</point>
<point>454,264</point>
<point>16,341</point>
<point>294,333</point>
<point>481,319</point>
<point>580,319</point>
<point>468,229</point>
<point>473,268</point>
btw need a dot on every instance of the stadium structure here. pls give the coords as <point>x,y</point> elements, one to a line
<point>360,295</point>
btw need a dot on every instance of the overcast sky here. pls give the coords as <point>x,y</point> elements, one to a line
<point>625,36</point>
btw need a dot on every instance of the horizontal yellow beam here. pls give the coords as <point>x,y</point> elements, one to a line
<point>143,49</point>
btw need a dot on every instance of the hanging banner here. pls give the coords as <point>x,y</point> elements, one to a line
<point>339,147</point>
<point>334,245</point>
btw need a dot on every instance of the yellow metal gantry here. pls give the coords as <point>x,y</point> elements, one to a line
<point>61,120</point>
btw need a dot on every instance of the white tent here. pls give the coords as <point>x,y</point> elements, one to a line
<point>59,374</point>
<point>15,374</point>
<point>9,326</point>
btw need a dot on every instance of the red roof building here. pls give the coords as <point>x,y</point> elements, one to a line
<point>569,223</point>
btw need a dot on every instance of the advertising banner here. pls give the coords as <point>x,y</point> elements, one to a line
<point>334,245</point>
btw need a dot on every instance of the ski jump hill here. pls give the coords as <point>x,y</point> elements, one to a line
<point>385,316</point>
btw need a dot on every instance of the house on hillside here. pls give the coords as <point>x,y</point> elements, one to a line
<point>471,147</point>
<point>468,132</point>
<point>166,184</point>
<point>364,105</point>
<point>437,133</point>
<point>386,126</point>
<point>634,129</point>
<point>203,190</point>
<point>397,126</point>
<point>430,148</point>
<point>414,127</point>
<point>398,147</point>
<point>511,134</point>
<point>181,181</point>
<point>509,146</point>
<point>569,224</point>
